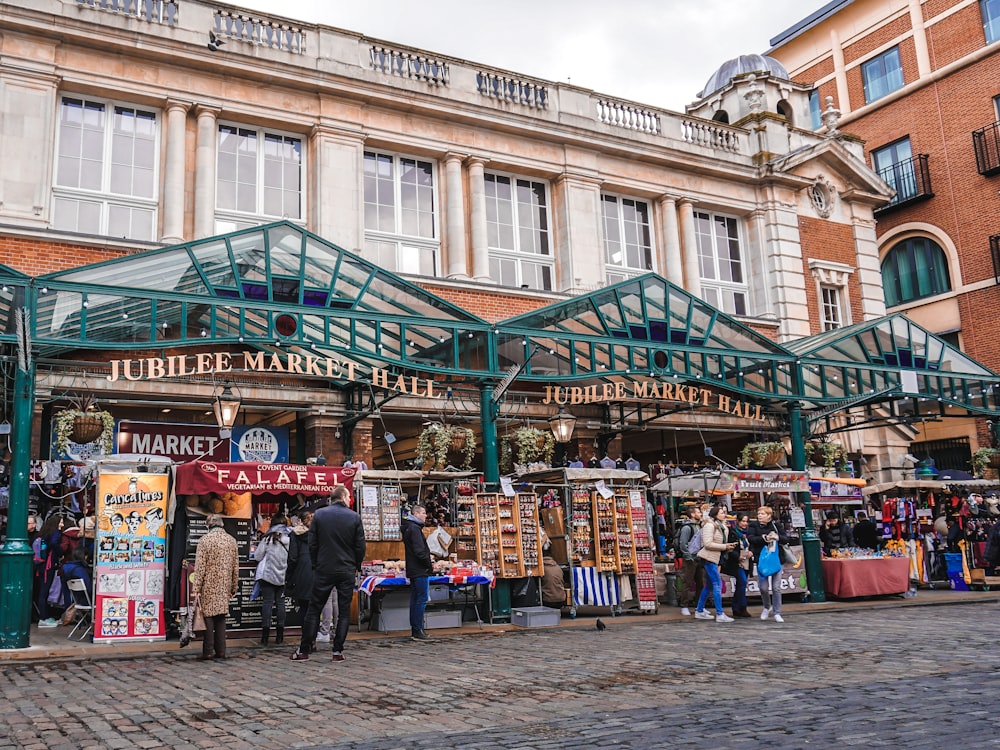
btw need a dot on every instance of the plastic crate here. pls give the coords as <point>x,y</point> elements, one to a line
<point>442,618</point>
<point>534,617</point>
<point>957,582</point>
<point>953,562</point>
<point>394,618</point>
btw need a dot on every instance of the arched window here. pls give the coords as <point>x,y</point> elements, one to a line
<point>913,269</point>
<point>785,110</point>
<point>721,116</point>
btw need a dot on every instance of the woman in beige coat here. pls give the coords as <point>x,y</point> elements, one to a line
<point>213,584</point>
<point>714,534</point>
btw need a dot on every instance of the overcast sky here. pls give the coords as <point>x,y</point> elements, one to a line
<point>657,52</point>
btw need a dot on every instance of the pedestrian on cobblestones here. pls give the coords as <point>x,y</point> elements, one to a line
<point>337,548</point>
<point>692,577</point>
<point>271,555</point>
<point>214,583</point>
<point>419,567</point>
<point>761,532</point>
<point>714,533</point>
<point>736,563</point>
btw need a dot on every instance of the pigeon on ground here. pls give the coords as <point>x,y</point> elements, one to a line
<point>601,627</point>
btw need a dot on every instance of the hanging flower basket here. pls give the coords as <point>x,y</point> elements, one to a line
<point>83,424</point>
<point>525,446</point>
<point>985,458</point>
<point>762,454</point>
<point>440,445</point>
<point>825,454</point>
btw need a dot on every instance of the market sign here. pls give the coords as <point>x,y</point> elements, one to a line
<point>769,481</point>
<point>335,368</point>
<point>178,442</point>
<point>203,477</point>
<point>260,444</point>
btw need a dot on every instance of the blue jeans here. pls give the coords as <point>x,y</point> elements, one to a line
<point>740,595</point>
<point>715,581</point>
<point>419,593</point>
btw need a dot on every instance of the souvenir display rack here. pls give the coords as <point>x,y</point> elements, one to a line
<point>581,523</point>
<point>625,535</point>
<point>605,530</point>
<point>380,507</point>
<point>530,538</point>
<point>507,532</point>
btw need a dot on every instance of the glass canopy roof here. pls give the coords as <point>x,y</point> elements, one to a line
<point>274,285</point>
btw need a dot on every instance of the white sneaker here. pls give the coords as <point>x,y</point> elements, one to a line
<point>764,613</point>
<point>701,614</point>
<point>779,618</point>
<point>49,622</point>
<point>322,638</point>
<point>685,611</point>
<point>723,617</point>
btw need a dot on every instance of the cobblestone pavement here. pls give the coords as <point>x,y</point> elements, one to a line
<point>924,677</point>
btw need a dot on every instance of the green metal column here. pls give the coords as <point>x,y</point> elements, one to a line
<point>488,421</point>
<point>16,554</point>
<point>810,540</point>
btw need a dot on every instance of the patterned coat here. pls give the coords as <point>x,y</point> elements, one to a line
<point>216,566</point>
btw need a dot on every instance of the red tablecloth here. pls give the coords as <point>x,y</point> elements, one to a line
<point>847,578</point>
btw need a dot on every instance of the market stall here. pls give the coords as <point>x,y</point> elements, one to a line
<point>876,576</point>
<point>601,517</point>
<point>246,495</point>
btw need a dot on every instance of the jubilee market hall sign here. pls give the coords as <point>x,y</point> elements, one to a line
<point>211,363</point>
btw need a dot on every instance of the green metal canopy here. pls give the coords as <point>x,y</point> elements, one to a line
<point>272,286</point>
<point>645,326</point>
<point>896,357</point>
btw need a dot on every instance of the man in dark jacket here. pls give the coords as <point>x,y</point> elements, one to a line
<point>835,534</point>
<point>418,568</point>
<point>337,549</point>
<point>865,533</point>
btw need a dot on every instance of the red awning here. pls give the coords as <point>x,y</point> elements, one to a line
<point>202,477</point>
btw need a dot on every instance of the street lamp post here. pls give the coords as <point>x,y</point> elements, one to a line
<point>227,408</point>
<point>810,540</point>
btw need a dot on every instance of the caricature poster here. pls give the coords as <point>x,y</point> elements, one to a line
<point>130,556</point>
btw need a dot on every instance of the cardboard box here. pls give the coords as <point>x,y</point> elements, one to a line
<point>534,617</point>
<point>442,618</point>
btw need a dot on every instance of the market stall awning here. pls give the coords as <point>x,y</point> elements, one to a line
<point>202,477</point>
<point>702,482</point>
<point>981,485</point>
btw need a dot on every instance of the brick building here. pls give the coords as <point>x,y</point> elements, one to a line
<point>916,81</point>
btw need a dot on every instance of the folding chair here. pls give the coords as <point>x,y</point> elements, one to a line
<point>84,607</point>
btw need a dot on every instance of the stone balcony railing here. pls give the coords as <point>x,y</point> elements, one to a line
<point>155,11</point>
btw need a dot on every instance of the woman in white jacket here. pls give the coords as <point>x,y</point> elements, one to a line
<point>272,565</point>
<point>714,534</point>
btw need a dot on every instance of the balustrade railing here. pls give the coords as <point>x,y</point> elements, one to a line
<point>623,115</point>
<point>259,31</point>
<point>409,65</point>
<point>514,90</point>
<point>701,133</point>
<point>986,143</point>
<point>155,11</point>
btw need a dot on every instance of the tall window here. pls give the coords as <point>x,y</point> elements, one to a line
<point>913,269</point>
<point>400,221</point>
<point>517,226</point>
<point>720,260</point>
<point>815,111</point>
<point>894,164</point>
<point>259,178</point>
<point>991,19</point>
<point>627,245</point>
<point>882,75</point>
<point>830,307</point>
<point>106,170</point>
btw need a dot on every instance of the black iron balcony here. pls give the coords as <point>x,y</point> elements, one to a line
<point>986,143</point>
<point>910,178</point>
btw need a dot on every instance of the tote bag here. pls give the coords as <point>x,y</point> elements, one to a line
<point>769,563</point>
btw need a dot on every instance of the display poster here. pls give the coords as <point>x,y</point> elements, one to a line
<point>130,556</point>
<point>259,444</point>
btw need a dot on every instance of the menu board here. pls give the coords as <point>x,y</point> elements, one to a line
<point>245,613</point>
<point>130,556</point>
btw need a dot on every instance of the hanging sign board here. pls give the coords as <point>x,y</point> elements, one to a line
<point>130,556</point>
<point>753,480</point>
<point>260,444</point>
<point>178,442</point>
<point>201,477</point>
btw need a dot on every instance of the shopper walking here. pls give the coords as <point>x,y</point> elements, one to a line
<point>46,548</point>
<point>337,548</point>
<point>736,563</point>
<point>692,577</point>
<point>419,567</point>
<point>713,545</point>
<point>761,532</point>
<point>272,565</point>
<point>214,583</point>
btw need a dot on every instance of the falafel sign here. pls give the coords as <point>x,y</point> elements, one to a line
<point>203,477</point>
<point>130,556</point>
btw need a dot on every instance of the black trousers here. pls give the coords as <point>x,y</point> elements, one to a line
<point>323,584</point>
<point>215,636</point>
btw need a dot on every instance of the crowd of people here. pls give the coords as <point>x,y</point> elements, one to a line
<point>62,549</point>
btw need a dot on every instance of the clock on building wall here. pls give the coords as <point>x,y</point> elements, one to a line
<point>823,195</point>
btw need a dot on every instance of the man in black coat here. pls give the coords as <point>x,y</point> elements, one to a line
<point>865,533</point>
<point>337,549</point>
<point>418,569</point>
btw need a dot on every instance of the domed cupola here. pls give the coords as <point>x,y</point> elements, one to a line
<point>740,66</point>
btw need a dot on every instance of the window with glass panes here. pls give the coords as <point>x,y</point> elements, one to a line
<point>990,10</point>
<point>830,311</point>
<point>627,245</point>
<point>400,219</point>
<point>894,164</point>
<point>720,261</point>
<point>913,269</point>
<point>517,227</point>
<point>882,75</point>
<point>258,178</point>
<point>106,177</point>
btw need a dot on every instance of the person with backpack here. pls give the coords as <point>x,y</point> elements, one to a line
<point>714,544</point>
<point>272,566</point>
<point>692,576</point>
